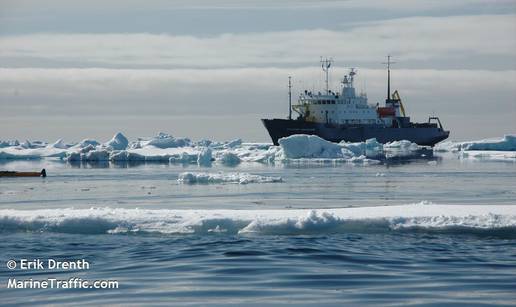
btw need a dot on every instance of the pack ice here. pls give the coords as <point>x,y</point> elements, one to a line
<point>494,149</point>
<point>165,148</point>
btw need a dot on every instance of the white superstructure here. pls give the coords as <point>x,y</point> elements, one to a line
<point>345,107</point>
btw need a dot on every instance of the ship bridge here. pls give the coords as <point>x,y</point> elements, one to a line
<point>337,108</point>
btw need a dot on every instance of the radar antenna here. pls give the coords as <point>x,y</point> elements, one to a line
<point>325,64</point>
<point>352,73</point>
<point>349,78</point>
<point>388,76</point>
<point>289,97</point>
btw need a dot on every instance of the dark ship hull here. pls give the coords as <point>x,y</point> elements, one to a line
<point>424,134</point>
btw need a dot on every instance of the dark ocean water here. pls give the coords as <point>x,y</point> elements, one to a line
<point>415,266</point>
<point>384,269</point>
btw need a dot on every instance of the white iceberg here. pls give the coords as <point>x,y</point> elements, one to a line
<point>59,144</point>
<point>118,142</point>
<point>85,143</point>
<point>164,140</point>
<point>125,156</point>
<point>308,146</point>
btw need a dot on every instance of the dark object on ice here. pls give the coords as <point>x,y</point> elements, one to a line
<point>43,173</point>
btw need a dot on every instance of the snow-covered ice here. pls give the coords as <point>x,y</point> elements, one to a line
<point>420,217</point>
<point>165,148</point>
<point>494,149</point>
<point>118,142</point>
<point>240,178</point>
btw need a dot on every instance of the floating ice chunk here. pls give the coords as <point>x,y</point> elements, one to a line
<point>204,143</point>
<point>228,158</point>
<point>447,146</point>
<point>373,148</point>
<point>233,143</point>
<point>489,155</point>
<point>507,143</point>
<point>204,157</point>
<point>86,149</point>
<point>95,156</point>
<point>125,156</point>
<point>164,140</point>
<point>313,222</point>
<point>60,144</point>
<point>241,178</point>
<point>26,145</point>
<point>402,145</point>
<point>314,147</point>
<point>308,146</point>
<point>184,158</point>
<point>73,156</point>
<point>18,156</point>
<point>86,143</point>
<point>9,143</point>
<point>118,142</point>
<point>158,158</point>
<point>452,219</point>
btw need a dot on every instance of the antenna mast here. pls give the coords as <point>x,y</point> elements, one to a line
<point>289,98</point>
<point>325,64</point>
<point>388,76</point>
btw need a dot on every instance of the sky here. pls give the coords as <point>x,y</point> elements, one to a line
<point>209,69</point>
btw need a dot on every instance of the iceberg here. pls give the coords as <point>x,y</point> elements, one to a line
<point>204,157</point>
<point>85,143</point>
<point>118,142</point>
<point>228,158</point>
<point>164,140</point>
<point>9,143</point>
<point>59,144</point>
<point>95,155</point>
<point>125,156</point>
<point>308,146</point>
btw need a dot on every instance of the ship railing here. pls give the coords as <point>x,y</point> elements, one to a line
<point>435,119</point>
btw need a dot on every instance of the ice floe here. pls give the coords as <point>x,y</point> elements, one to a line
<point>164,140</point>
<point>507,143</point>
<point>494,149</point>
<point>451,219</point>
<point>165,148</point>
<point>240,178</point>
<point>118,142</point>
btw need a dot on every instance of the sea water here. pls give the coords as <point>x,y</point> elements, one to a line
<point>326,233</point>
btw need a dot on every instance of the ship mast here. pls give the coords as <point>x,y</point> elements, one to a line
<point>325,64</point>
<point>289,98</point>
<point>388,76</point>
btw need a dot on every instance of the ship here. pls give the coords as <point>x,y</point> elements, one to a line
<point>348,117</point>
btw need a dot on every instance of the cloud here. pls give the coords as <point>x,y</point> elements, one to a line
<point>197,102</point>
<point>464,41</point>
<point>394,5</point>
